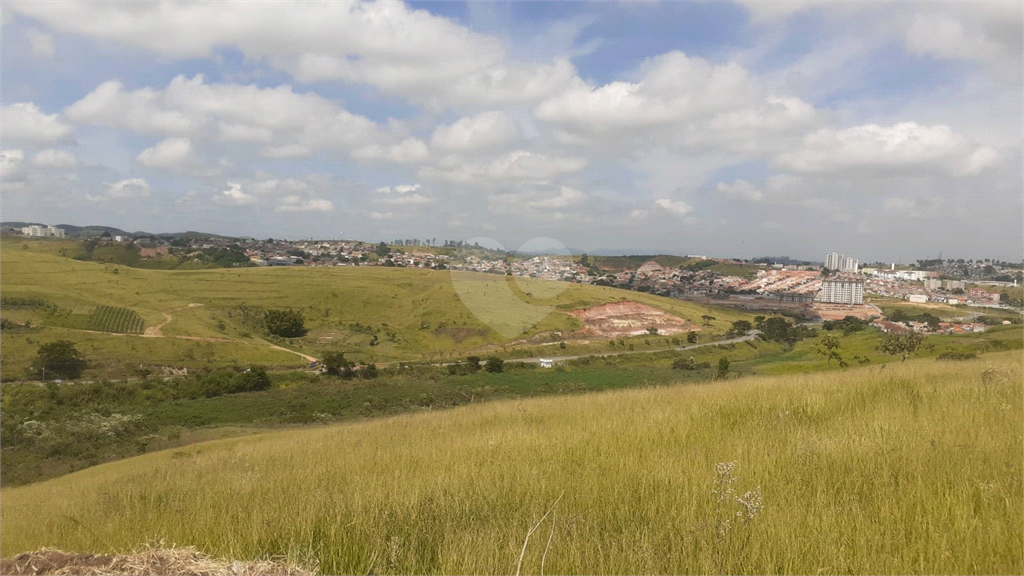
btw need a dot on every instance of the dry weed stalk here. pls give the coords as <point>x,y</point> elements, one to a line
<point>519,564</point>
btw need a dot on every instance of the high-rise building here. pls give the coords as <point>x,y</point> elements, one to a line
<point>836,261</point>
<point>842,291</point>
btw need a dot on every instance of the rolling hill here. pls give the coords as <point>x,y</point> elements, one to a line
<point>197,318</point>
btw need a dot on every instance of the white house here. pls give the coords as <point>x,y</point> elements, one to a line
<point>546,362</point>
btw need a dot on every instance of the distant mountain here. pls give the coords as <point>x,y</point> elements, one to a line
<point>73,231</point>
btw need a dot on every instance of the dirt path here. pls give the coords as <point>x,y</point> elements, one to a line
<point>283,349</point>
<point>154,331</point>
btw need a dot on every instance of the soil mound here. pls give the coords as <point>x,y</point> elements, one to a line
<point>628,319</point>
<point>151,561</point>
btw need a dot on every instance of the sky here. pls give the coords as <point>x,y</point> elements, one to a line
<point>887,132</point>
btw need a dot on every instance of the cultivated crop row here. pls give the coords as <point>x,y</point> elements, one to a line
<point>111,319</point>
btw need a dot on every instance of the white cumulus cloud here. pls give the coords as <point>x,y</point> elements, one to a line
<point>407,194</point>
<point>24,122</point>
<point>677,207</point>
<point>127,189</point>
<point>233,195</point>
<point>169,153</point>
<point>297,204</point>
<point>906,146</point>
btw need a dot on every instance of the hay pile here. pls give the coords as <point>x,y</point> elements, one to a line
<point>150,561</point>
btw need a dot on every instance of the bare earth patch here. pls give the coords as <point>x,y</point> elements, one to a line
<point>149,561</point>
<point>840,311</point>
<point>628,319</point>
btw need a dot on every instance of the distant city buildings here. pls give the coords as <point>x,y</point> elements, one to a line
<point>43,231</point>
<point>838,262</point>
<point>842,291</point>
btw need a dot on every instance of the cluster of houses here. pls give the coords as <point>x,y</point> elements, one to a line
<point>923,327</point>
<point>931,290</point>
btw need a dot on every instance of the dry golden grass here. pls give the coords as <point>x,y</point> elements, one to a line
<point>911,468</point>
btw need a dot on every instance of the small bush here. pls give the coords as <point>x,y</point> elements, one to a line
<point>957,355</point>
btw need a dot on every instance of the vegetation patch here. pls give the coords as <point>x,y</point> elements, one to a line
<point>117,320</point>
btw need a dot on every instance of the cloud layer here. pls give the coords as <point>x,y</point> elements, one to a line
<point>385,120</point>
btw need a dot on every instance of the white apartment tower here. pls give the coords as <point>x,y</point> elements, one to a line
<point>836,261</point>
<point>43,231</point>
<point>842,291</point>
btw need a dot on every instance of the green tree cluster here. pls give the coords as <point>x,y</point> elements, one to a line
<point>58,359</point>
<point>739,328</point>
<point>285,323</point>
<point>848,325</point>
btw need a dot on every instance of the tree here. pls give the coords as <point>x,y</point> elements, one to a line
<point>829,348</point>
<point>901,344</point>
<point>335,364</point>
<point>285,323</point>
<point>707,318</point>
<point>58,359</point>
<point>759,322</point>
<point>495,364</point>
<point>1004,298</point>
<point>691,337</point>
<point>473,362</point>
<point>585,261</point>
<point>652,330</point>
<point>723,367</point>
<point>777,329</point>
<point>739,328</point>
<point>382,249</point>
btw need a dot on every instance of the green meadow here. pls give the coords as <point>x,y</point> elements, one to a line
<point>911,467</point>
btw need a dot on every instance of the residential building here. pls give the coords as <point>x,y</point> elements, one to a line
<point>932,283</point>
<point>842,291</point>
<point>43,231</point>
<point>836,261</point>
<point>917,298</point>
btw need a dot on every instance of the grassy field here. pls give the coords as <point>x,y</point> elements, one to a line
<point>373,314</point>
<point>912,467</point>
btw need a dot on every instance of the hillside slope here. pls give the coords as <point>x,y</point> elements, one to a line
<point>912,468</point>
<point>372,313</point>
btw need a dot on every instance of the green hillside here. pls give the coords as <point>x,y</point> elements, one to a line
<point>204,317</point>
<point>911,467</point>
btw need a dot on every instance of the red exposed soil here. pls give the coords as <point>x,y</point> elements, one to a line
<point>628,318</point>
<point>840,311</point>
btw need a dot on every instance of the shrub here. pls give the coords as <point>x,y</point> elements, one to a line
<point>495,364</point>
<point>723,367</point>
<point>285,323</point>
<point>956,355</point>
<point>252,380</point>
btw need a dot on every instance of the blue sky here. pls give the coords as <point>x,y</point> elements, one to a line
<point>728,129</point>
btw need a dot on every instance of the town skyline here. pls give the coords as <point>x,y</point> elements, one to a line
<point>529,248</point>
